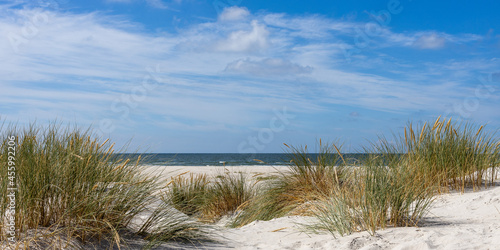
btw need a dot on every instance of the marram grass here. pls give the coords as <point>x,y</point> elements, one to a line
<point>71,184</point>
<point>228,192</point>
<point>209,199</point>
<point>188,193</point>
<point>374,197</point>
<point>394,185</point>
<point>449,154</point>
<point>397,183</point>
<point>294,191</point>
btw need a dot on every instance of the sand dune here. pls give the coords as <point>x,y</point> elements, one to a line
<point>455,221</point>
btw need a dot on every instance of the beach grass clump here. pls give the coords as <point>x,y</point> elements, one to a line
<point>375,197</point>
<point>396,184</point>
<point>209,198</point>
<point>188,194</point>
<point>227,193</point>
<point>452,155</point>
<point>293,191</point>
<point>71,183</point>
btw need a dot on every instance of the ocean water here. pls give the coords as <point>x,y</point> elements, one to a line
<point>228,159</point>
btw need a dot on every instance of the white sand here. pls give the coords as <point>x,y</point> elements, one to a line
<point>168,171</point>
<point>455,221</point>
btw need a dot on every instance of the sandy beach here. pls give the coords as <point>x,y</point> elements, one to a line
<point>127,124</point>
<point>166,172</point>
<point>455,221</point>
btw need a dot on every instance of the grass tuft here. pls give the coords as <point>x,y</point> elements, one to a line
<point>376,197</point>
<point>72,184</point>
<point>293,191</point>
<point>227,193</point>
<point>452,155</point>
<point>209,199</point>
<point>188,194</point>
<point>396,184</point>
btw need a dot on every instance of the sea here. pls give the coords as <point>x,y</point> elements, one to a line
<point>223,159</point>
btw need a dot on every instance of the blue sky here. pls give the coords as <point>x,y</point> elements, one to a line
<point>243,76</point>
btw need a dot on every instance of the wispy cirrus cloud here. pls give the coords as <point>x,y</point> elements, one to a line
<point>354,34</point>
<point>223,74</point>
<point>268,67</point>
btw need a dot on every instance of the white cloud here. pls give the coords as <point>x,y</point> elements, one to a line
<point>385,94</point>
<point>99,58</point>
<point>234,13</point>
<point>74,56</point>
<point>268,67</point>
<point>83,45</point>
<point>246,41</point>
<point>356,35</point>
<point>159,4</point>
<point>430,41</point>
<point>311,27</point>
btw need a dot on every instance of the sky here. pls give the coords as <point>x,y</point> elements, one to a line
<point>241,76</point>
